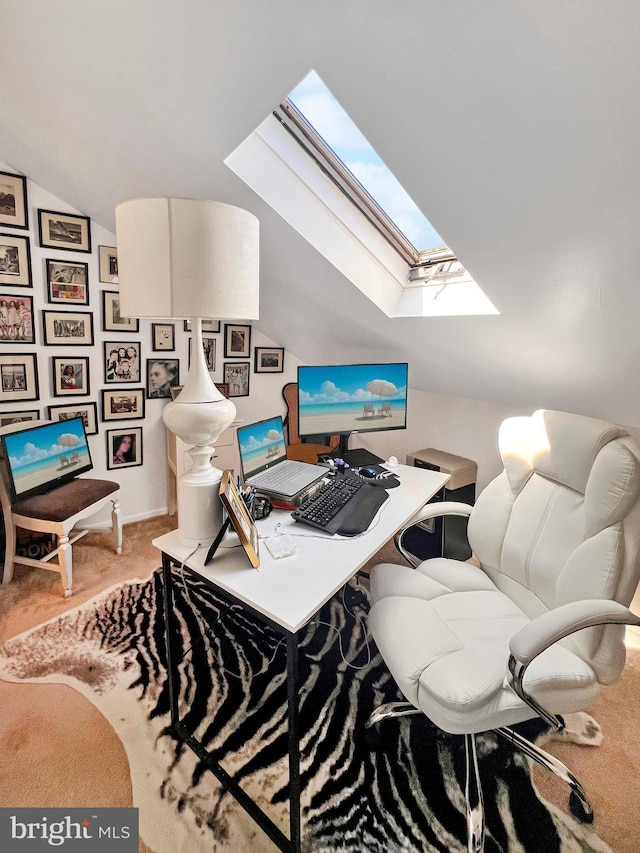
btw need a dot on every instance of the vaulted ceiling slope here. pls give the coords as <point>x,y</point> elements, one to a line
<point>514,126</point>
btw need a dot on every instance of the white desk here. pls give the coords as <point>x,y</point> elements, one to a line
<point>286,593</point>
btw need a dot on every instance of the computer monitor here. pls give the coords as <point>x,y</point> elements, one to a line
<point>43,457</point>
<point>342,399</point>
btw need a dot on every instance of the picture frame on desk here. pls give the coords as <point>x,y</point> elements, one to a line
<point>239,517</point>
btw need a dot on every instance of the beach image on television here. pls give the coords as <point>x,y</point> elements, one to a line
<point>261,444</point>
<point>46,455</point>
<point>351,398</point>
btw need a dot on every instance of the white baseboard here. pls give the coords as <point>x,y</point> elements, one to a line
<point>128,519</point>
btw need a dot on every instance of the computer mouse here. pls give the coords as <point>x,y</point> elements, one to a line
<point>393,462</point>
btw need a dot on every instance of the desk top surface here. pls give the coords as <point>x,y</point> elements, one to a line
<point>291,589</point>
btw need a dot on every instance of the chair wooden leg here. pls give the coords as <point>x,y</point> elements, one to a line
<point>9,552</point>
<point>116,524</point>
<point>65,562</point>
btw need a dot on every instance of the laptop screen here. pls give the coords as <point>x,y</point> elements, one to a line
<point>261,446</point>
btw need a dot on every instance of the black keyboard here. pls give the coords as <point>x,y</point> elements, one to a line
<point>346,505</point>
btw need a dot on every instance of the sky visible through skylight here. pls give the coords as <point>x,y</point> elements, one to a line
<point>325,114</point>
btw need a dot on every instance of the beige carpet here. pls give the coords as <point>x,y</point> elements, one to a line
<point>57,750</point>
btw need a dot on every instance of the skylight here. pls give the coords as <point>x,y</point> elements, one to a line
<point>319,107</point>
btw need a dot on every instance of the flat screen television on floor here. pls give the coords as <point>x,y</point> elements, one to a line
<point>342,399</point>
<point>43,457</point>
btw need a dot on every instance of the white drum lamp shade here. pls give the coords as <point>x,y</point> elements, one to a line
<point>197,259</point>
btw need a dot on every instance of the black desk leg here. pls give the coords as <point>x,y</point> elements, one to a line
<point>293,698</point>
<point>170,635</point>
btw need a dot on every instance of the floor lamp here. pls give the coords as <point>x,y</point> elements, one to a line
<point>193,259</point>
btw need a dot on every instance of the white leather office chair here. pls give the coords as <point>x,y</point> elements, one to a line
<point>557,536</point>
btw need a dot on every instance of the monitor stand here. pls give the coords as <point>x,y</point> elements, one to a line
<point>356,457</point>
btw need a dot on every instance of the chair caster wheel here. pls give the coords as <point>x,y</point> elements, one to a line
<point>579,809</point>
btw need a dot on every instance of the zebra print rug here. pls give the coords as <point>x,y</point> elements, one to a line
<point>406,794</point>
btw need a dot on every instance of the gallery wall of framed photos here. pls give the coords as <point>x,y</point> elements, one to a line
<point>66,350</point>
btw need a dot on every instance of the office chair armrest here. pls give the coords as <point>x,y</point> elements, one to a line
<point>546,629</point>
<point>433,510</point>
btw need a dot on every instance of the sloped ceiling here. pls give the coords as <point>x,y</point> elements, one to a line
<point>514,126</point>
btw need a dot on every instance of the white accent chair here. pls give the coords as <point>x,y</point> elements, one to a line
<point>557,536</point>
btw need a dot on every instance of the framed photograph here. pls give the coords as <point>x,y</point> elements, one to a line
<point>68,282</point>
<point>237,341</point>
<point>15,260</point>
<point>269,360</point>
<point>239,517</point>
<point>121,361</point>
<point>124,447</point>
<point>112,320</point>
<point>13,201</point>
<point>70,376</point>
<point>223,388</point>
<point>209,349</point>
<point>162,375</point>
<point>123,404</point>
<point>207,325</point>
<point>108,264</point>
<point>67,328</point>
<point>7,418</point>
<point>236,377</point>
<point>16,319</point>
<point>64,231</point>
<point>163,337</point>
<point>87,411</point>
<point>18,377</point>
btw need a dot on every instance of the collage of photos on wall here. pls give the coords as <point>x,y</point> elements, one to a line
<point>65,314</point>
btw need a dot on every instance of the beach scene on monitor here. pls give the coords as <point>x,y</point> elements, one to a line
<point>261,444</point>
<point>352,398</point>
<point>43,455</point>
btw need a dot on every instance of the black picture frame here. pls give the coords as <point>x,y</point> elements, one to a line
<point>122,360</point>
<point>108,264</point>
<point>209,349</point>
<point>112,321</point>
<point>122,404</point>
<point>67,328</point>
<point>207,326</point>
<point>132,456</point>
<point>88,411</point>
<point>14,210</point>
<point>16,321</point>
<point>237,340</point>
<point>70,376</point>
<point>163,337</point>
<point>67,282</point>
<point>15,260</point>
<point>268,360</point>
<point>162,375</point>
<point>19,377</point>
<point>7,418</point>
<point>68,231</point>
<point>236,376</point>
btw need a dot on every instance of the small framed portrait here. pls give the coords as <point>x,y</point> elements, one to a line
<point>64,231</point>
<point>108,264</point>
<point>15,260</point>
<point>13,201</point>
<point>209,350</point>
<point>163,337</point>
<point>87,411</point>
<point>162,375</point>
<point>70,376</point>
<point>121,361</point>
<point>16,319</point>
<point>123,404</point>
<point>207,325</point>
<point>124,447</point>
<point>237,341</point>
<point>18,377</point>
<point>240,518</point>
<point>7,418</point>
<point>112,319</point>
<point>67,328</point>
<point>68,282</point>
<point>236,377</point>
<point>269,360</point>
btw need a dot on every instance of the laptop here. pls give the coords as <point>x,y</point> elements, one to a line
<point>264,463</point>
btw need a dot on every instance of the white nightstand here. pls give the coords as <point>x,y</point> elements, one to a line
<point>178,460</point>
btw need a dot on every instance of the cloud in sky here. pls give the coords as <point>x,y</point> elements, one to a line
<point>330,120</point>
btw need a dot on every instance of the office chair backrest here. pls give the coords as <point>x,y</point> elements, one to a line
<point>562,522</point>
